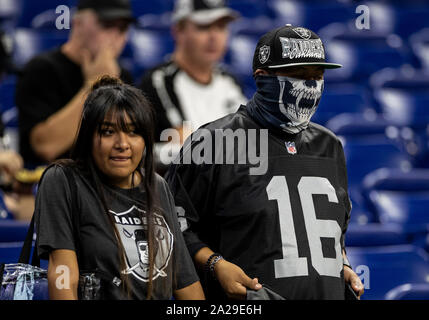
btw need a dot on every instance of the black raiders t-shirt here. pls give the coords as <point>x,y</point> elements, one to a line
<point>174,268</point>
<point>283,223</point>
<point>48,82</point>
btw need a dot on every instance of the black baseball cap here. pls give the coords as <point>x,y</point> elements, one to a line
<point>290,46</point>
<point>202,12</point>
<point>108,9</point>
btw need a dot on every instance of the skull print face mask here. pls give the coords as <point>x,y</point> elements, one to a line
<point>285,103</point>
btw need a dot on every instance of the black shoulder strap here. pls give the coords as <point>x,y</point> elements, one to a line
<point>24,257</point>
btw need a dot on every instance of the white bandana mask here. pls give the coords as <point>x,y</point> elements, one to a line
<point>285,103</point>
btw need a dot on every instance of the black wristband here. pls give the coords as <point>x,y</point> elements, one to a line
<point>213,263</point>
<point>207,264</point>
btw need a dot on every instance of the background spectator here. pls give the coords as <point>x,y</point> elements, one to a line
<point>53,86</point>
<point>192,86</point>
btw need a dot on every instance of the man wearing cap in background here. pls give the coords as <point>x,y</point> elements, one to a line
<point>51,91</point>
<point>191,86</point>
<point>277,232</point>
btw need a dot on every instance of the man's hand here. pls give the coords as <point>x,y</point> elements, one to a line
<point>351,277</point>
<point>10,162</point>
<point>103,64</point>
<point>233,280</point>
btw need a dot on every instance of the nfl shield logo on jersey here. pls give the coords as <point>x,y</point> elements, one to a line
<point>290,146</point>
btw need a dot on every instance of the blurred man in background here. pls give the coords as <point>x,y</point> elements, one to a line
<point>12,203</point>
<point>51,91</point>
<point>191,86</point>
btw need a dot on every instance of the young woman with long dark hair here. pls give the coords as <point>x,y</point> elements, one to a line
<point>115,218</point>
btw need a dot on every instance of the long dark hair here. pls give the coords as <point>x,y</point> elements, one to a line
<point>110,96</point>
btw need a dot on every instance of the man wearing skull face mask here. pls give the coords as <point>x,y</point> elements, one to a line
<point>281,230</point>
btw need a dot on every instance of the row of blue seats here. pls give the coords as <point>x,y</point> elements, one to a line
<point>371,143</point>
<point>361,55</point>
<point>397,272</point>
<point>393,17</point>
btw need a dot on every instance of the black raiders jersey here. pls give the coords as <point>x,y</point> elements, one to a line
<point>284,222</point>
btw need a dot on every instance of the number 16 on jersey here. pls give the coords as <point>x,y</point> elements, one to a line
<point>292,265</point>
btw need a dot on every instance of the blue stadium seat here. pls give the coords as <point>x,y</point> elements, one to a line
<point>369,143</point>
<point>312,15</point>
<point>342,98</point>
<point>9,12</point>
<point>409,291</point>
<point>13,231</point>
<point>10,251</point>
<point>149,48</point>
<point>360,215</point>
<point>9,8</point>
<point>153,14</point>
<point>375,234</point>
<point>362,58</point>
<point>411,19</point>
<point>387,17</point>
<point>362,52</point>
<point>355,127</point>
<point>5,214</point>
<point>240,54</point>
<point>38,13</point>
<point>8,110</point>
<point>419,43</point>
<point>251,8</point>
<point>29,43</point>
<point>367,147</point>
<point>400,198</point>
<point>367,155</point>
<point>403,95</point>
<point>383,268</point>
<point>151,7</point>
